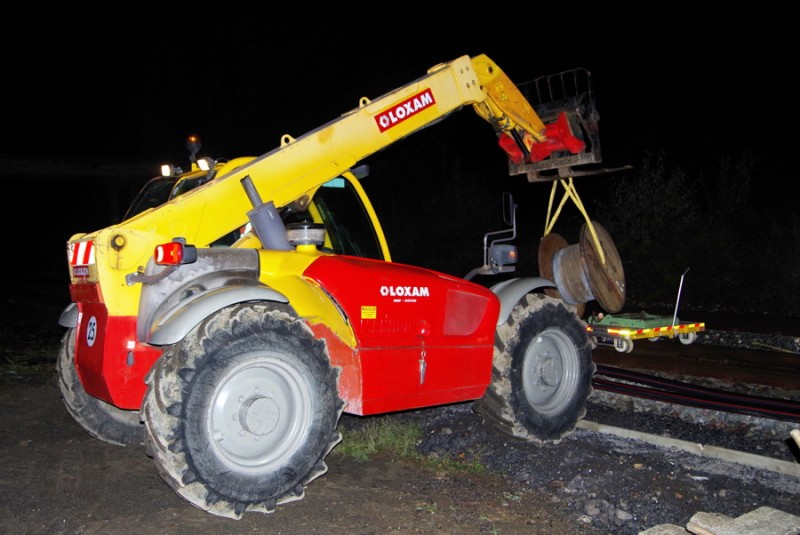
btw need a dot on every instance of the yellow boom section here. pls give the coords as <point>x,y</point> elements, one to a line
<point>505,106</point>
<point>301,165</point>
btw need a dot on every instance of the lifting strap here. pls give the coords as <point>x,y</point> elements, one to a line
<point>571,193</point>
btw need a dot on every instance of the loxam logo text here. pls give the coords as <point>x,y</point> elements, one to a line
<point>403,110</point>
<point>405,291</point>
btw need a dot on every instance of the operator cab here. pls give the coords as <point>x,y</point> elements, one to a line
<point>161,189</point>
<point>173,181</point>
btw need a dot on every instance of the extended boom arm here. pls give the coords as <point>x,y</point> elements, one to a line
<point>301,165</point>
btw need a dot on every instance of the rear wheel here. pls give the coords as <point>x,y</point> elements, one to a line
<point>241,414</point>
<point>102,420</point>
<point>542,371</point>
<point>687,338</point>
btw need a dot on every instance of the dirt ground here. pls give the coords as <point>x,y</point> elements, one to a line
<point>58,479</point>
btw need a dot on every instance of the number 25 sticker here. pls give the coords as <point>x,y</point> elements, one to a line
<point>91,331</point>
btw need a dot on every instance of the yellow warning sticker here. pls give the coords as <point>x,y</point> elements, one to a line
<point>369,312</point>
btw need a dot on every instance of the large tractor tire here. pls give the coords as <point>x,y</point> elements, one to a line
<point>102,420</point>
<point>241,414</point>
<point>542,372</point>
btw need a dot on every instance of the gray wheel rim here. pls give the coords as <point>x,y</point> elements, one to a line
<point>550,372</point>
<point>260,413</point>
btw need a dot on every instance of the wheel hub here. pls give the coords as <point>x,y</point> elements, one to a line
<point>548,370</point>
<point>259,415</point>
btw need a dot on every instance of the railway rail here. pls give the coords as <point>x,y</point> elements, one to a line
<point>743,400</point>
<point>657,388</point>
<point>757,364</point>
<point>732,389</point>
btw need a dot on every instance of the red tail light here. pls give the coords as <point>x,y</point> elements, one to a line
<point>174,253</point>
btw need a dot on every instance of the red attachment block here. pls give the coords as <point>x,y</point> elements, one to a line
<point>559,138</point>
<point>511,148</point>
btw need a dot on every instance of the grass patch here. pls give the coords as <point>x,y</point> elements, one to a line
<point>387,436</point>
<point>380,436</point>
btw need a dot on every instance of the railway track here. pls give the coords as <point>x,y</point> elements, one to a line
<point>770,368</point>
<point>757,382</point>
<point>657,388</point>
<point>742,401</point>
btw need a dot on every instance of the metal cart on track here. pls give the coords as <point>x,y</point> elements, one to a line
<point>620,330</point>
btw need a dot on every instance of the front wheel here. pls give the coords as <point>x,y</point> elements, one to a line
<point>102,420</point>
<point>623,345</point>
<point>542,371</point>
<point>242,412</point>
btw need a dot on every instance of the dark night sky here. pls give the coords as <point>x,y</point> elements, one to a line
<point>133,86</point>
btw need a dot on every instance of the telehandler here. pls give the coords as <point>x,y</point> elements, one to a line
<point>243,305</point>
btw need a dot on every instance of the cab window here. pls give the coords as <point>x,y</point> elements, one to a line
<point>349,230</point>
